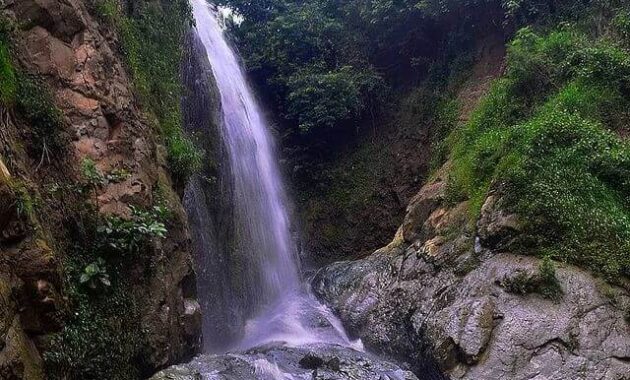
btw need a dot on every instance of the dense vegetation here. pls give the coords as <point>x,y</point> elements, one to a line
<point>549,136</point>
<point>102,336</point>
<point>328,64</point>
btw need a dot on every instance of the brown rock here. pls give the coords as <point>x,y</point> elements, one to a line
<point>19,359</point>
<point>60,18</point>
<point>421,207</point>
<point>5,175</point>
<point>48,54</point>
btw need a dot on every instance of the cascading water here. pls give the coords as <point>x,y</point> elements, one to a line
<point>268,295</point>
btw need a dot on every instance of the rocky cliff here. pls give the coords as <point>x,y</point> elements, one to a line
<point>444,290</point>
<point>96,269</point>
<point>451,294</point>
<point>512,259</point>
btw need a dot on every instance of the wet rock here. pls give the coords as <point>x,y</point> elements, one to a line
<point>474,328</point>
<point>318,362</point>
<point>437,299</point>
<point>311,361</point>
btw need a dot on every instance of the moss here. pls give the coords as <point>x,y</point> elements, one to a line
<point>545,137</point>
<point>8,81</point>
<point>544,282</point>
<point>548,285</point>
<point>446,119</point>
<point>35,103</point>
<point>25,203</point>
<point>151,39</point>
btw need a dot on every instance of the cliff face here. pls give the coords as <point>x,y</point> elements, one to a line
<point>68,184</point>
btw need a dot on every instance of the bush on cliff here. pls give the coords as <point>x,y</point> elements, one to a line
<point>548,136</point>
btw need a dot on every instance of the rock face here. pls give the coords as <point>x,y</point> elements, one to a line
<point>439,292</point>
<point>64,46</point>
<point>316,362</point>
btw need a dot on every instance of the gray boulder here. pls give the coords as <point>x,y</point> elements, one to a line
<point>443,300</point>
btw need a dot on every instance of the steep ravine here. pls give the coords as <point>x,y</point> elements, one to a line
<point>257,309</point>
<point>100,232</point>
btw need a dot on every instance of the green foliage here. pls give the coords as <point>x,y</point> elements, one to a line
<point>185,158</point>
<point>549,287</point>
<point>108,9</point>
<point>95,275</point>
<point>356,182</point>
<point>91,174</point>
<point>317,60</point>
<point>131,236</point>
<point>8,78</point>
<point>445,121</point>
<point>24,202</point>
<point>151,40</point>
<point>520,283</point>
<point>102,336</point>
<point>93,178</point>
<point>35,103</point>
<point>318,100</point>
<point>545,137</point>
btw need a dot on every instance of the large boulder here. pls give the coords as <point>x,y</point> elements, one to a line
<point>452,295</point>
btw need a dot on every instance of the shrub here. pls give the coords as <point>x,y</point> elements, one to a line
<point>95,275</point>
<point>91,174</point>
<point>101,337</point>
<point>544,282</point>
<point>130,236</point>
<point>184,156</point>
<point>544,137</point>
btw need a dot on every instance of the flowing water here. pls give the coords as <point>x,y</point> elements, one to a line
<point>267,293</point>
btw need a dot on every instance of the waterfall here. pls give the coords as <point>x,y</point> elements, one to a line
<point>259,272</point>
